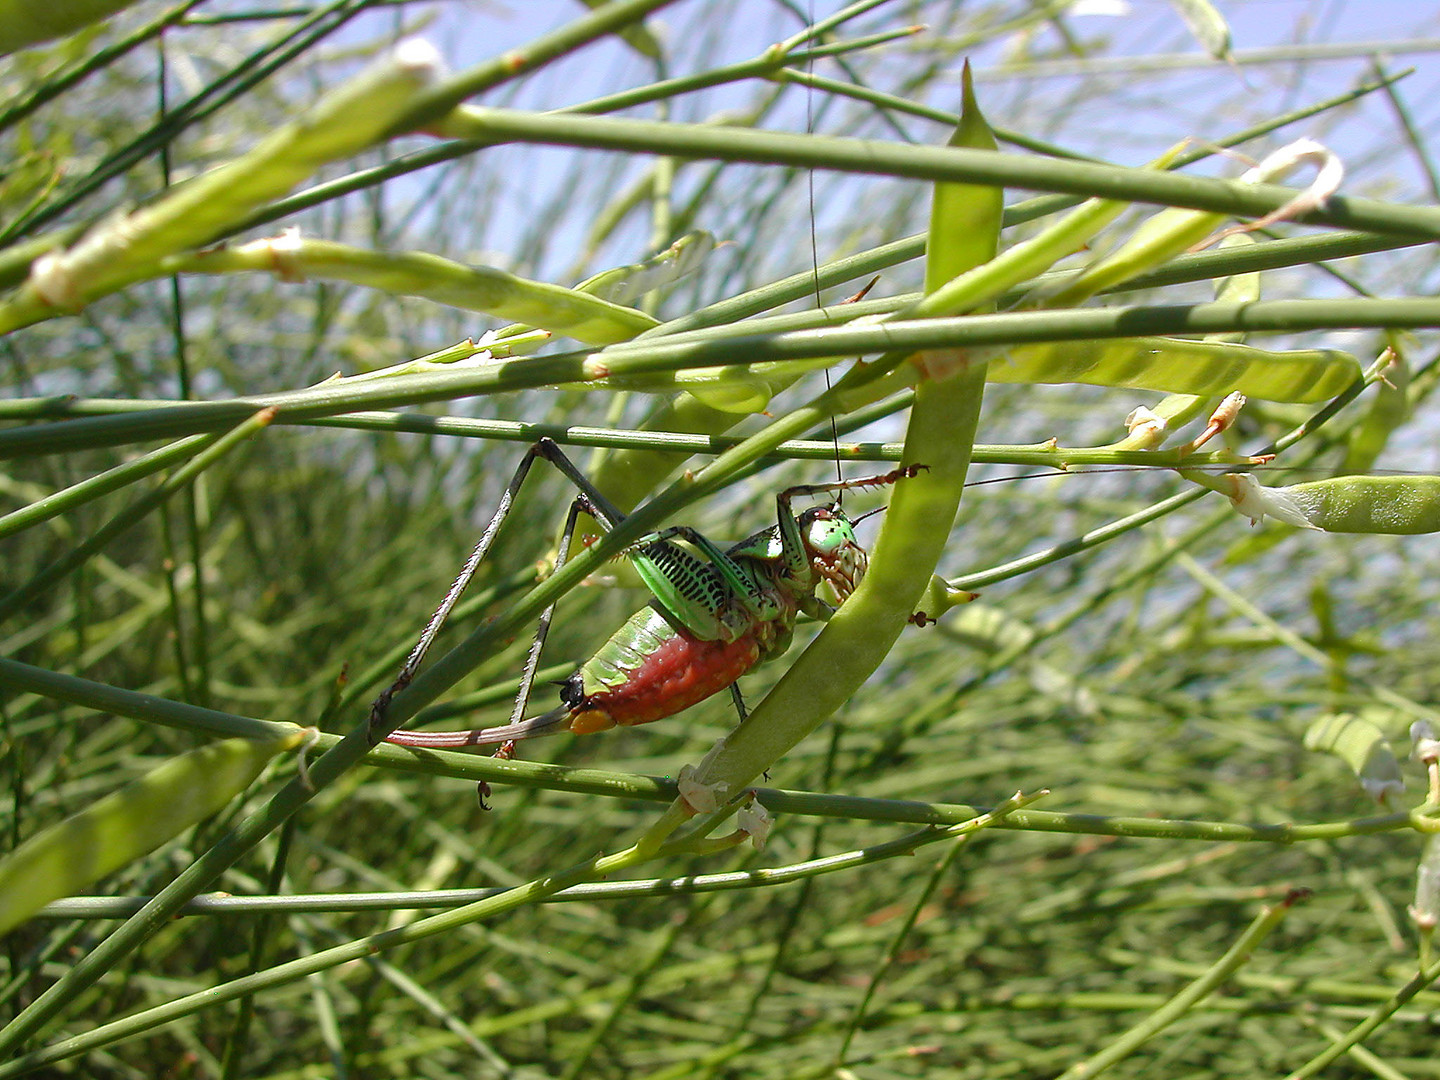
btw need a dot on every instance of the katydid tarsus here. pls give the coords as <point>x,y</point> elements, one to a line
<point>715,612</point>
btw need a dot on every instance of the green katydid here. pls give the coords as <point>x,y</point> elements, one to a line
<point>715,612</point>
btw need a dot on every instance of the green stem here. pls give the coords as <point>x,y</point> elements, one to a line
<point>1422,979</point>
<point>603,21</point>
<point>449,151</point>
<point>962,836</point>
<point>279,975</point>
<point>77,495</point>
<point>940,164</point>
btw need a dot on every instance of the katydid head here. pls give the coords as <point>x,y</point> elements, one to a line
<point>835,554</point>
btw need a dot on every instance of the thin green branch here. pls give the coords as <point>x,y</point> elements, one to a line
<point>911,247</point>
<point>487,907</point>
<point>77,495</point>
<point>1422,980</point>
<point>240,79</point>
<point>72,76</point>
<point>1275,54</point>
<point>535,54</point>
<point>940,164</point>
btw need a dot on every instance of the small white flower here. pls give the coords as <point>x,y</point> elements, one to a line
<point>52,281</point>
<point>702,798</point>
<point>287,241</point>
<point>1146,426</point>
<point>1426,746</point>
<point>1382,791</point>
<point>1330,169</point>
<point>1256,502</point>
<point>419,59</point>
<point>755,820</point>
<point>1426,909</point>
<point>1330,172</point>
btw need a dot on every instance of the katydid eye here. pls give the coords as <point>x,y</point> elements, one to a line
<point>829,537</point>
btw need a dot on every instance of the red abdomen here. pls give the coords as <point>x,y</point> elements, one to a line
<point>649,670</point>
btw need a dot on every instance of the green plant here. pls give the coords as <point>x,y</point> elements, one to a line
<point>1137,654</point>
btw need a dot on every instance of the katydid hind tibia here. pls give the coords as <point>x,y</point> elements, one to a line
<point>715,612</point>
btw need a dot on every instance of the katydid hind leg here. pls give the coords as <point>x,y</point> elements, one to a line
<point>550,723</point>
<point>518,727</point>
<point>542,629</point>
<point>601,509</point>
<point>698,586</point>
<point>588,501</point>
<point>377,725</point>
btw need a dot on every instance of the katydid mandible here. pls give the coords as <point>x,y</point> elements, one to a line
<point>715,612</point>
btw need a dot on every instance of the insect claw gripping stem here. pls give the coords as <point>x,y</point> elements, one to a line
<point>715,612</point>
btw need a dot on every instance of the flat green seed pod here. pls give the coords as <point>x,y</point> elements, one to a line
<point>120,828</point>
<point>1396,505</point>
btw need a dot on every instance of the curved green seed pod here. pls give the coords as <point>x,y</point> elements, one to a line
<point>1177,365</point>
<point>123,826</point>
<point>579,314</point>
<point>735,390</point>
<point>27,22</point>
<point>1361,744</point>
<point>965,229</point>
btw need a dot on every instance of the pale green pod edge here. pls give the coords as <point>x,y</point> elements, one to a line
<point>1361,745</point>
<point>581,315</point>
<point>1178,365</point>
<point>28,22</point>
